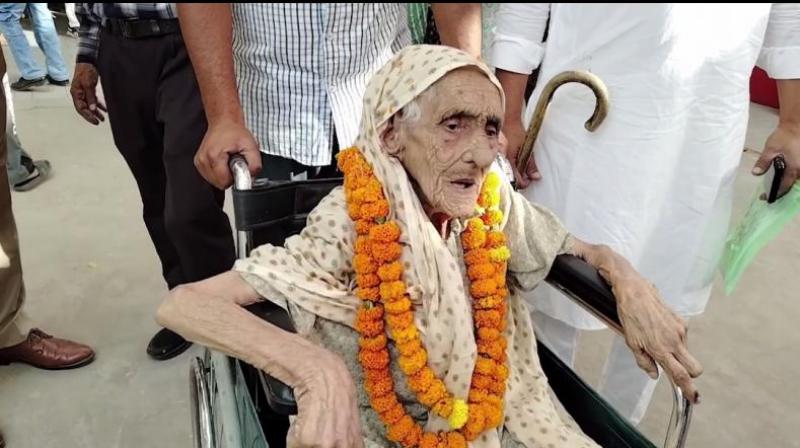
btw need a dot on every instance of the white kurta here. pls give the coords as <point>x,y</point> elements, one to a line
<point>655,181</point>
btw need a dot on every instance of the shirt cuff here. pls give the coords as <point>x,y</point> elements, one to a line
<point>515,54</point>
<point>781,62</point>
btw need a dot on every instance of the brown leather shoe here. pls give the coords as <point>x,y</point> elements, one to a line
<point>46,352</point>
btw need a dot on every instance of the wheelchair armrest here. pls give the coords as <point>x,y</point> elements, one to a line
<point>280,397</point>
<point>582,283</point>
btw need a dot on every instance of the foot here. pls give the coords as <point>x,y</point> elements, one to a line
<point>41,172</point>
<point>23,84</point>
<point>46,352</point>
<point>55,82</point>
<point>166,345</point>
<point>72,32</point>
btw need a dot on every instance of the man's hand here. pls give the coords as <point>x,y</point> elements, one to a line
<point>784,140</point>
<point>515,134</point>
<point>652,331</point>
<point>83,91</point>
<point>327,407</point>
<point>222,140</point>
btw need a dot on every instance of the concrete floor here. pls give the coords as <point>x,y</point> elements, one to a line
<point>92,275</point>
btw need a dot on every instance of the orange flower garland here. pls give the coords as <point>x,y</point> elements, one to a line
<point>387,306</point>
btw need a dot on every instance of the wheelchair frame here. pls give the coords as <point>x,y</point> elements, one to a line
<point>575,278</point>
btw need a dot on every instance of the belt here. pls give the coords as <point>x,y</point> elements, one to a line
<point>143,28</point>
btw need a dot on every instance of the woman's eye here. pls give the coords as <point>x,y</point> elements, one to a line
<point>453,124</point>
<point>491,130</point>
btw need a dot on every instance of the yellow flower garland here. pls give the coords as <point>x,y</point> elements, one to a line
<point>379,276</point>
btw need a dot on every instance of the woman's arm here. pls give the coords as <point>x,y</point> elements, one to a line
<point>211,313</point>
<point>652,331</point>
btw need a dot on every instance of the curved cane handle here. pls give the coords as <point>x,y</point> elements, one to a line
<point>600,109</point>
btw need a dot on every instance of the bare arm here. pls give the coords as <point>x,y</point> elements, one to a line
<point>652,331</point>
<point>208,32</point>
<point>211,313</point>
<point>785,139</point>
<point>459,25</point>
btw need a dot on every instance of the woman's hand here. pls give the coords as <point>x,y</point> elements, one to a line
<point>327,404</point>
<point>653,332</point>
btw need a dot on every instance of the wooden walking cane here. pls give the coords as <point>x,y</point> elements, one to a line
<point>600,109</point>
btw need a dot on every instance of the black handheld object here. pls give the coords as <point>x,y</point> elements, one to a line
<point>774,177</point>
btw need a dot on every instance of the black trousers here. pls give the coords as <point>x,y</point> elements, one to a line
<point>158,122</point>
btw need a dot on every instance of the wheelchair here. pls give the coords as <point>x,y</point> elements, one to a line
<point>236,405</point>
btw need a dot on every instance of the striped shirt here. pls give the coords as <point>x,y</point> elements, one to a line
<point>93,15</point>
<point>302,69</point>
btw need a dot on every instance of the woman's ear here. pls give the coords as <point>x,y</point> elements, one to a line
<point>390,138</point>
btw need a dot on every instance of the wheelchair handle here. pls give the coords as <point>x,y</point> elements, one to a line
<point>581,282</point>
<point>242,180</point>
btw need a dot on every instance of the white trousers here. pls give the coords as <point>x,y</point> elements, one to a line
<point>623,384</point>
<point>69,8</point>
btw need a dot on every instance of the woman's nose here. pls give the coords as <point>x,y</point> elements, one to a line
<point>481,153</point>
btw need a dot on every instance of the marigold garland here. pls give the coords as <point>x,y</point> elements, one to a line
<point>387,307</point>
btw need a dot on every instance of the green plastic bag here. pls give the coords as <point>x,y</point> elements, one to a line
<point>760,225</point>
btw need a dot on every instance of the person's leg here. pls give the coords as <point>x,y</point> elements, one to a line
<point>195,222</point>
<point>129,78</point>
<point>24,173</point>
<point>10,13</point>
<point>44,29</point>
<point>624,385</point>
<point>72,18</point>
<point>13,329</point>
<point>561,338</point>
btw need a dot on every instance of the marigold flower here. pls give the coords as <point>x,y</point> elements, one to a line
<point>393,414</point>
<point>478,395</point>
<point>413,437</point>
<point>456,440</point>
<point>443,407</point>
<point>492,350</point>
<point>495,239</point>
<point>399,430</point>
<point>375,210</point>
<point>494,416</point>
<point>384,403</point>
<point>379,387</point>
<point>485,366</point>
<point>421,380</point>
<point>367,280</point>
<point>402,335</point>
<point>473,239</point>
<point>385,233</point>
<point>492,217</point>
<point>500,280</point>
<point>458,418</point>
<point>413,363</point>
<point>369,327</point>
<point>386,252</point>
<point>354,210</point>
<point>501,373</point>
<point>480,271</point>
<point>362,245</point>
<point>488,334</point>
<point>369,294</point>
<point>402,305</point>
<point>390,272</point>
<point>491,182</point>
<point>408,348</point>
<point>499,254</point>
<point>363,226</point>
<point>483,288</point>
<point>488,318</point>
<point>429,440</point>
<point>475,422</point>
<point>363,264</point>
<point>436,392</point>
<point>375,343</point>
<point>477,256</point>
<point>373,191</point>
<point>481,381</point>
<point>401,320</point>
<point>391,291</point>
<point>374,360</point>
<point>488,302</point>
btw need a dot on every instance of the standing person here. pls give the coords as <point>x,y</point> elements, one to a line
<point>158,122</point>
<point>288,78</point>
<point>19,341</point>
<point>655,182</point>
<point>44,30</point>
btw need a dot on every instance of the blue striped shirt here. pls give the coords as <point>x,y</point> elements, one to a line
<point>302,69</point>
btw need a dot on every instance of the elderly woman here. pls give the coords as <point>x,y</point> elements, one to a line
<point>403,285</point>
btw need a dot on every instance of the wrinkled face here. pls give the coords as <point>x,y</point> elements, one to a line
<point>448,148</point>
